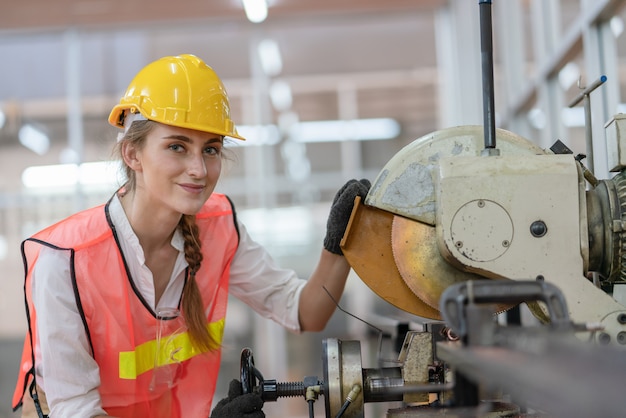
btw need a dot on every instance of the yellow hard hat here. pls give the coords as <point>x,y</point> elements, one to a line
<point>180,91</point>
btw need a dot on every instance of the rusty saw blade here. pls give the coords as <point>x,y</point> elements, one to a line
<point>367,247</point>
<point>420,264</point>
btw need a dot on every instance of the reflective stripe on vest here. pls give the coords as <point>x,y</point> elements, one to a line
<point>143,358</point>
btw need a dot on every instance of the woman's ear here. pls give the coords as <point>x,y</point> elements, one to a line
<point>130,156</point>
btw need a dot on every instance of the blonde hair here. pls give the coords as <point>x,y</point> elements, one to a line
<point>192,303</point>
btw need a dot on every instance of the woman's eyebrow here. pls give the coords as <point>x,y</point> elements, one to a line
<point>178,137</point>
<point>187,139</point>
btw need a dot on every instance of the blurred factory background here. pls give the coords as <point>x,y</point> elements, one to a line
<point>324,90</point>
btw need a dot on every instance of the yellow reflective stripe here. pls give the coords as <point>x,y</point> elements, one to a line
<point>143,358</point>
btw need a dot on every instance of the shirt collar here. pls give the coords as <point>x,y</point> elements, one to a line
<point>126,233</point>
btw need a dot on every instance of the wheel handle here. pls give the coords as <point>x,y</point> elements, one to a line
<point>247,371</point>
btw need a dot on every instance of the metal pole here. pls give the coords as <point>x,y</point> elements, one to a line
<point>486,48</point>
<point>584,95</point>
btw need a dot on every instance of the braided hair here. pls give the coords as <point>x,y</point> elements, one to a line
<point>193,306</point>
<point>192,303</point>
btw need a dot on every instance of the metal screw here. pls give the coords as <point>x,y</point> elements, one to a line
<point>604,338</point>
<point>621,338</point>
<point>538,229</point>
<point>621,318</point>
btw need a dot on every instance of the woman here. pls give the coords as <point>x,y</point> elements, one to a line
<point>126,301</point>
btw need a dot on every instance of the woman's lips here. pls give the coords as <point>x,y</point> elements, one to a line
<point>192,188</point>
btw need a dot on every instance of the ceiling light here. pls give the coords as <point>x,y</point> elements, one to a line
<point>256,10</point>
<point>69,156</point>
<point>99,173</point>
<point>58,175</point>
<point>568,75</point>
<point>346,130</point>
<point>34,139</point>
<point>4,247</point>
<point>270,57</point>
<point>321,131</point>
<point>67,175</point>
<point>573,117</point>
<point>286,120</point>
<point>537,118</point>
<point>617,26</point>
<point>258,135</point>
<point>280,95</point>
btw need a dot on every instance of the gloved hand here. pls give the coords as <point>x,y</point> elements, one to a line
<point>340,212</point>
<point>238,405</point>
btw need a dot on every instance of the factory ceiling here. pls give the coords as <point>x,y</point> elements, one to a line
<point>342,59</point>
<point>38,14</point>
<point>383,52</point>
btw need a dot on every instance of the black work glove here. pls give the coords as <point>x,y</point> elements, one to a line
<point>340,212</point>
<point>238,405</point>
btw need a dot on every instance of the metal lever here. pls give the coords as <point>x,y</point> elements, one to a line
<point>455,298</point>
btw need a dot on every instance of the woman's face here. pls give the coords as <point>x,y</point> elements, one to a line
<point>177,168</point>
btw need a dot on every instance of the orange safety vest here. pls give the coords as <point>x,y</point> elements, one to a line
<point>122,328</point>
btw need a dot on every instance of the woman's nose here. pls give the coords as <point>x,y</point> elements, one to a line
<point>197,165</point>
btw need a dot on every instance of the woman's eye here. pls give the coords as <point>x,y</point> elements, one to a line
<point>212,150</point>
<point>176,147</point>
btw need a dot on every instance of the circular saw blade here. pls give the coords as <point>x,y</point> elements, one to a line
<point>367,247</point>
<point>421,266</point>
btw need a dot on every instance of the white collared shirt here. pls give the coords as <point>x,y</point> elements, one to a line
<point>65,368</point>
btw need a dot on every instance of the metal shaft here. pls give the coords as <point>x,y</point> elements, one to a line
<point>584,96</point>
<point>486,49</point>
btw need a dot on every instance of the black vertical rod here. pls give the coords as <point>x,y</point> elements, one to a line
<point>486,52</point>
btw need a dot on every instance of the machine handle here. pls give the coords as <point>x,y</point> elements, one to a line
<point>456,297</point>
<point>247,372</point>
